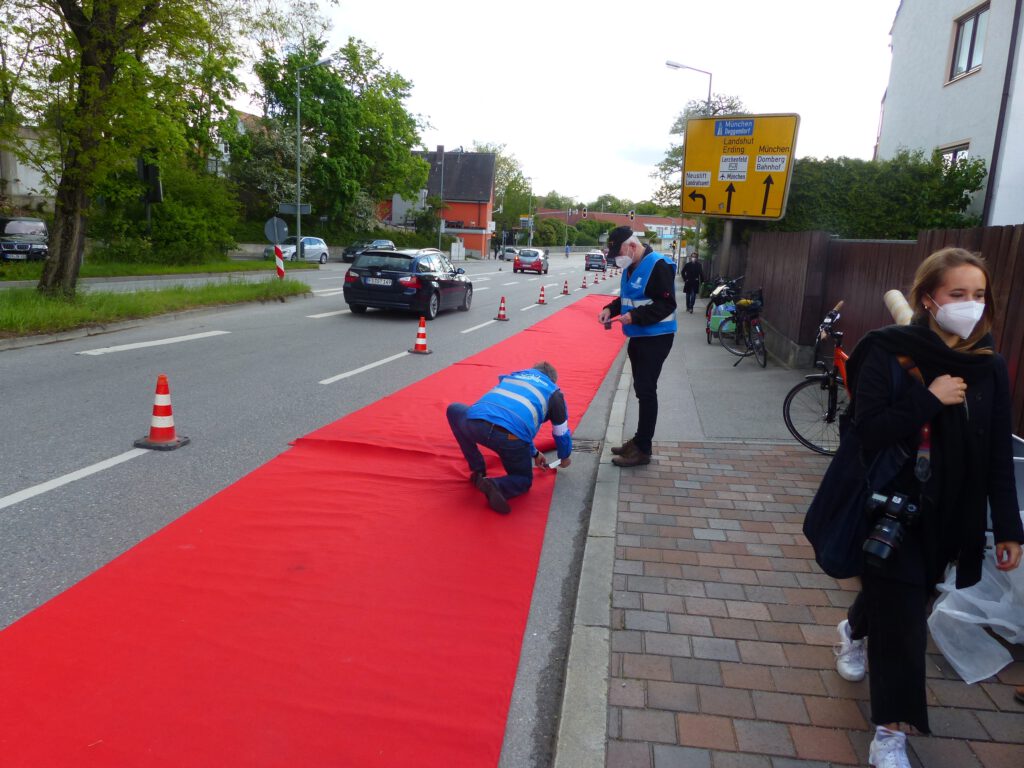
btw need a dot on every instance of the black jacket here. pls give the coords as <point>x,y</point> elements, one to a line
<point>692,276</point>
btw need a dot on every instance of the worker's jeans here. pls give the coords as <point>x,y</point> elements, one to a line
<point>516,456</point>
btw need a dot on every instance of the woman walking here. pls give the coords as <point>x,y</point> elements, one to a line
<point>954,423</point>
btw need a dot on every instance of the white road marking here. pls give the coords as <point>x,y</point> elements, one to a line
<point>367,367</point>
<point>483,288</point>
<point>332,277</point>
<point>529,307</point>
<point>478,327</point>
<point>512,283</point>
<point>49,485</point>
<point>325,290</point>
<point>557,296</point>
<point>157,343</point>
<point>330,314</point>
<point>328,294</point>
<point>480,279</point>
<point>533,279</point>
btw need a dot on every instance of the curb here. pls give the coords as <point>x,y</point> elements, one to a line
<point>583,721</point>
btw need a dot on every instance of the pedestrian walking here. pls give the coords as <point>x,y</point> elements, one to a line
<point>506,420</point>
<point>693,276</point>
<point>954,426</point>
<point>646,312</point>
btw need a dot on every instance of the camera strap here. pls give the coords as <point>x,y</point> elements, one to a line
<point>923,462</point>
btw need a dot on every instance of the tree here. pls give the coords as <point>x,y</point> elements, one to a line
<point>511,188</point>
<point>669,171</point>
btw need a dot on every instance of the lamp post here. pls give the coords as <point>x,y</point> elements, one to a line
<point>568,208</point>
<point>529,215</point>
<point>298,152</point>
<point>677,65</point>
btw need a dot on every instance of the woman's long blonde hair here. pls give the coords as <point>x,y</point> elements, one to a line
<point>930,275</point>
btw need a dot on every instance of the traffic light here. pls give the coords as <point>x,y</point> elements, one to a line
<point>584,211</point>
<point>632,215</point>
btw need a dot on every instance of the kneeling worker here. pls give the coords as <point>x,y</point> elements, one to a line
<point>506,420</point>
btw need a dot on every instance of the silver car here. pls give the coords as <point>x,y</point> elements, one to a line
<point>313,249</point>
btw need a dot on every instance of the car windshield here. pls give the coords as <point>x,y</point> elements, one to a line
<point>20,227</point>
<point>395,263</point>
<point>528,254</point>
<point>289,240</point>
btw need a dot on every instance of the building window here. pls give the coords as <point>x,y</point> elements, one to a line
<point>970,42</point>
<point>954,154</point>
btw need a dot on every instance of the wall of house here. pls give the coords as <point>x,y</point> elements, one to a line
<point>22,184</point>
<point>1008,203</point>
<point>924,111</point>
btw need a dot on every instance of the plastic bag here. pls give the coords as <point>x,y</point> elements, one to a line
<point>959,617</point>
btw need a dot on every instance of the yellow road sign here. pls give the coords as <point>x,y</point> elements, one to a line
<point>739,166</point>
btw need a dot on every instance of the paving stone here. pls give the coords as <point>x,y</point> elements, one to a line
<point>629,567</point>
<point>998,755</point>
<point>677,697</point>
<point>698,671</point>
<point>943,753</point>
<point>645,667</point>
<point>952,693</point>
<point>957,723</point>
<point>702,606</point>
<point>628,755</point>
<point>823,744</point>
<point>774,632</point>
<point>1003,726</point>
<point>747,610</point>
<point>664,644</point>
<point>715,648</point>
<point>835,713</point>
<point>627,641</point>
<point>632,600</point>
<point>758,652</point>
<point>730,702</point>
<point>764,738</point>
<point>736,629</point>
<point>648,725</point>
<point>739,760</point>
<point>649,620</point>
<point>681,757</point>
<point>788,762</point>
<point>666,603</point>
<point>748,676</point>
<point>725,591</point>
<point>707,731</point>
<point>690,625</point>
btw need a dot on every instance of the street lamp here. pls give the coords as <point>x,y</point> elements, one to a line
<point>677,65</point>
<point>529,215</point>
<point>568,208</point>
<point>298,152</point>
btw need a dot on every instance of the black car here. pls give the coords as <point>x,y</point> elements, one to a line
<point>350,252</point>
<point>23,239</point>
<point>422,281</point>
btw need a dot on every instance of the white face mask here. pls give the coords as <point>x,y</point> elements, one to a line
<point>622,261</point>
<point>959,317</point>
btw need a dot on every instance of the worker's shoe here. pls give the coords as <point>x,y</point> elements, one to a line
<point>495,499</point>
<point>621,449</point>
<point>632,457</point>
<point>474,476</point>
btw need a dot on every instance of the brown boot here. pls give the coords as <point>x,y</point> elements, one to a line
<point>621,449</point>
<point>634,457</point>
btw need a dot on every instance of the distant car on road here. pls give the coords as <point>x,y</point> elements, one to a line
<point>532,259</point>
<point>595,260</point>
<point>313,249</point>
<point>508,253</point>
<point>421,280</point>
<point>23,239</point>
<point>359,246</point>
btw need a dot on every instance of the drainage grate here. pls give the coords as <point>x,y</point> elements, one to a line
<point>586,446</point>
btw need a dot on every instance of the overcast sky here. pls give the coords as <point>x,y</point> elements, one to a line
<point>581,96</point>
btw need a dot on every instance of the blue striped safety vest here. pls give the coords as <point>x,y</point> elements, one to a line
<point>631,296</point>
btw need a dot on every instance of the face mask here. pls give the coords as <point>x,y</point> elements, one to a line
<point>623,261</point>
<point>959,317</point>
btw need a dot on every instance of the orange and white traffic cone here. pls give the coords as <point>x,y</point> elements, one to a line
<point>565,288</point>
<point>584,280</point>
<point>501,310</point>
<point>595,279</point>
<point>162,436</point>
<point>540,299</point>
<point>421,339</point>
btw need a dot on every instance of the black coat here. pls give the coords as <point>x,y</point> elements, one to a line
<point>692,276</point>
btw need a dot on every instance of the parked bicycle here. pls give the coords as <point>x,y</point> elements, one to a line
<point>812,408</point>
<point>724,296</point>
<point>745,336</point>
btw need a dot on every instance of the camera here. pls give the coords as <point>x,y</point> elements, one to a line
<point>897,513</point>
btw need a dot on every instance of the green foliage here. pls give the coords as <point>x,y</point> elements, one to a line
<point>889,199</point>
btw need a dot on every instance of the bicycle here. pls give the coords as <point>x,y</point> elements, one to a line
<point>812,408</point>
<point>746,336</point>
<point>723,295</point>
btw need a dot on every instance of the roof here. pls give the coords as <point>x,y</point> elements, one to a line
<point>468,176</point>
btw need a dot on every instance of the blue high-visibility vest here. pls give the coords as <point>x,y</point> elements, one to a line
<point>631,296</point>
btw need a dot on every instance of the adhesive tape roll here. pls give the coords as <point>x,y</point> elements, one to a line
<point>898,307</point>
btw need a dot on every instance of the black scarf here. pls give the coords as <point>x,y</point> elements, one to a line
<point>957,491</point>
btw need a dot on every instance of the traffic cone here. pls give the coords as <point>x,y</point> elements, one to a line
<point>584,280</point>
<point>565,288</point>
<point>540,299</point>
<point>501,310</point>
<point>421,339</point>
<point>162,436</point>
<point>595,279</point>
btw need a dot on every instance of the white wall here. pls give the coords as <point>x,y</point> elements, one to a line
<point>1008,202</point>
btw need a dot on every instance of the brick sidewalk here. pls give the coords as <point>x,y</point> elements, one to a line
<point>722,630</point>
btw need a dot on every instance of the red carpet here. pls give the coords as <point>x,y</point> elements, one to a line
<point>351,603</point>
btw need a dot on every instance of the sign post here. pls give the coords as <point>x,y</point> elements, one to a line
<point>276,230</point>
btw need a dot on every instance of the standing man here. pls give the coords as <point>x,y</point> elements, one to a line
<point>646,308</point>
<point>506,420</point>
<point>693,276</point>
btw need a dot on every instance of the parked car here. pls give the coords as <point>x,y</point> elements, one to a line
<point>23,239</point>
<point>364,245</point>
<point>420,280</point>
<point>313,249</point>
<point>508,253</point>
<point>595,260</point>
<point>531,259</point>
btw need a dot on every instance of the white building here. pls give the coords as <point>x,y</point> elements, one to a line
<point>956,85</point>
<point>22,184</point>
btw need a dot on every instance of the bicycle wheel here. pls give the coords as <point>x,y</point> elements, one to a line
<point>707,319</point>
<point>733,339</point>
<point>809,416</point>
<point>757,343</point>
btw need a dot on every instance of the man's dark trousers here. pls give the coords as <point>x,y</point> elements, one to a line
<point>646,356</point>
<point>516,456</point>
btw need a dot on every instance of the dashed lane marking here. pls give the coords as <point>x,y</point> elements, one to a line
<point>156,343</point>
<point>364,368</point>
<point>478,327</point>
<point>57,482</point>
<point>330,314</point>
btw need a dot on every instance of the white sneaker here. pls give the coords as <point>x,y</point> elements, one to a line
<point>889,751</point>
<point>851,656</point>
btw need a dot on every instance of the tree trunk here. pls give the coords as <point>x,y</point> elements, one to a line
<point>67,240</point>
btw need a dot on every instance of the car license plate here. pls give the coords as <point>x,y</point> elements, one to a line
<point>377,280</point>
<point>16,256</point>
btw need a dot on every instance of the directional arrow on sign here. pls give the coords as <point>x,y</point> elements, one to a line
<point>767,189</point>
<point>703,200</point>
<point>728,202</point>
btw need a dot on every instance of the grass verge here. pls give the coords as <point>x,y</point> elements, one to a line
<point>24,311</point>
<point>20,270</point>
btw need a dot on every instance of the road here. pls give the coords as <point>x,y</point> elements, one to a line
<point>244,382</point>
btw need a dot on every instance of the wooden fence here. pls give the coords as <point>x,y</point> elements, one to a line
<point>804,274</point>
